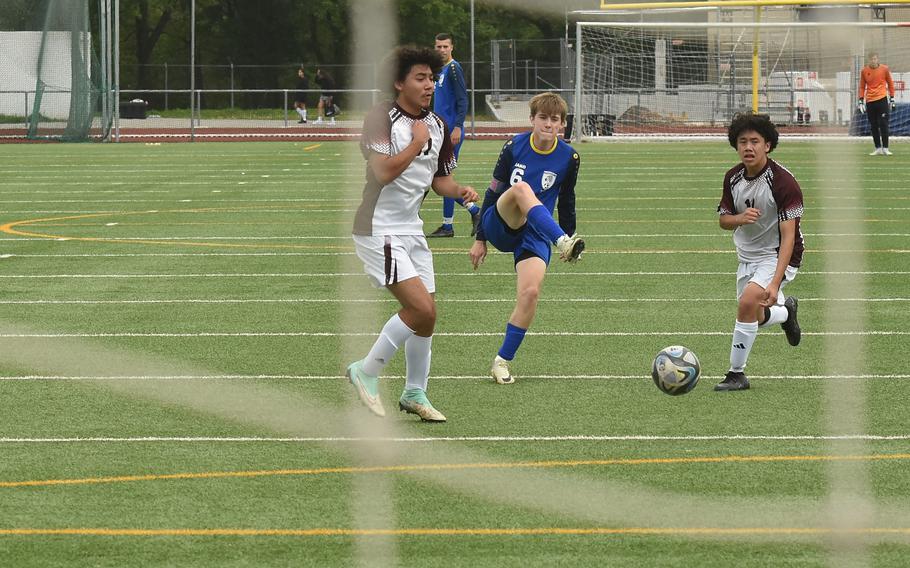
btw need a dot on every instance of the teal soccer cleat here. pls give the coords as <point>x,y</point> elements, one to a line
<point>414,401</point>
<point>367,387</point>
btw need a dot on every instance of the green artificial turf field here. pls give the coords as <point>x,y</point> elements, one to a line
<point>176,320</point>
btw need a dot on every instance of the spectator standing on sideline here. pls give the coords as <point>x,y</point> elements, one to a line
<point>876,97</point>
<point>451,103</point>
<point>303,84</point>
<point>327,107</point>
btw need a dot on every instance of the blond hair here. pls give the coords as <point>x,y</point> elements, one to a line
<point>549,103</point>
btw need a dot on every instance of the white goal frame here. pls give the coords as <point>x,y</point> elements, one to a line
<point>597,114</point>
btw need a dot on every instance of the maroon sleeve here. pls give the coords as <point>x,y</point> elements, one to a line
<point>726,205</point>
<point>787,194</point>
<point>377,130</point>
<point>447,163</point>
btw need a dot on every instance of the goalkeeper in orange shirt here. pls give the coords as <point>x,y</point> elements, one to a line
<point>876,97</point>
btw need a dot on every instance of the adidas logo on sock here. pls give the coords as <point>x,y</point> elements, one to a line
<point>739,346</point>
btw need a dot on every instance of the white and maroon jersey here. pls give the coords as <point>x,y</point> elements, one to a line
<point>393,209</point>
<point>775,192</point>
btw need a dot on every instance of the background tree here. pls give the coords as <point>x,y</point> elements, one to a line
<point>267,40</point>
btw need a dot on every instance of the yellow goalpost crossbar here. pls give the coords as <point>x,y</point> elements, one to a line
<point>604,5</point>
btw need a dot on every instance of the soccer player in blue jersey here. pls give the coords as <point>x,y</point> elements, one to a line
<point>535,170</point>
<point>451,103</point>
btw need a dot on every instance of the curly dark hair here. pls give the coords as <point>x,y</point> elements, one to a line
<point>760,123</point>
<point>397,65</point>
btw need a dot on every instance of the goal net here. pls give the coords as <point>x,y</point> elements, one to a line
<point>673,77</point>
<point>52,83</point>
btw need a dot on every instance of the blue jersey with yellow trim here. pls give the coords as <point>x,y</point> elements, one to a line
<point>551,173</point>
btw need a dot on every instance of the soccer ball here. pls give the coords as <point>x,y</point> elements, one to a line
<point>675,370</point>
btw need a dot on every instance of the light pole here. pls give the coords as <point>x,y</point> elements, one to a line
<point>192,70</point>
<point>473,84</point>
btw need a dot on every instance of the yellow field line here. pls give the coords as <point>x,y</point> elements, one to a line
<point>449,467</point>
<point>10,228</point>
<point>313,147</point>
<point>543,531</point>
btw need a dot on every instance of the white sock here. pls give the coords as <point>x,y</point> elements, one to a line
<point>417,353</point>
<point>448,220</point>
<point>779,314</point>
<point>302,113</point>
<point>393,335</point>
<point>743,338</point>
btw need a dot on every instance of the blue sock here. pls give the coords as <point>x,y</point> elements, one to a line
<point>542,222</point>
<point>448,207</point>
<point>512,341</point>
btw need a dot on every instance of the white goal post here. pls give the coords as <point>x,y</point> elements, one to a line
<point>669,75</point>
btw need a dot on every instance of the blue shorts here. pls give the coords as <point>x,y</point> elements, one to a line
<point>522,243</point>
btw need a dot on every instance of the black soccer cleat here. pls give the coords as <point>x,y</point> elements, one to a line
<point>475,222</point>
<point>442,232</point>
<point>733,381</point>
<point>791,326</point>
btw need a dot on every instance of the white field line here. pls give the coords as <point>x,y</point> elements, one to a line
<point>189,241</point>
<point>239,334</point>
<point>239,208</point>
<point>247,210</point>
<point>52,378</point>
<point>438,274</point>
<point>424,440</point>
<point>307,253</point>
<point>294,178</point>
<point>206,198</point>
<point>348,237</point>
<point>295,189</point>
<point>393,300</point>
<point>294,170</point>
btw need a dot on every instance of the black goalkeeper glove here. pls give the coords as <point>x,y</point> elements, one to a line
<point>893,104</point>
<point>861,106</point>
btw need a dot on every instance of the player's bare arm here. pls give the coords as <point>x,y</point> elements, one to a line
<point>787,240</point>
<point>386,168</point>
<point>447,187</point>
<point>747,217</point>
<point>478,253</point>
<point>456,135</point>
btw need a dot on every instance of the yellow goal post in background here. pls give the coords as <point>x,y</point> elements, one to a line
<point>682,68</point>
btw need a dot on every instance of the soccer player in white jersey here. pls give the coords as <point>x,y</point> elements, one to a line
<point>762,204</point>
<point>408,149</point>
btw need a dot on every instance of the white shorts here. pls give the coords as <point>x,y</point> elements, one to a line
<point>392,259</point>
<point>762,273</point>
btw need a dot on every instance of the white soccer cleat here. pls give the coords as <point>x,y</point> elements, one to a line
<point>570,248</point>
<point>501,372</point>
<point>887,152</point>
<point>877,152</point>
